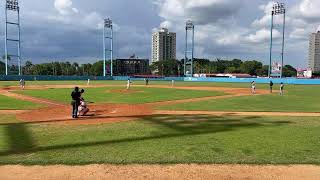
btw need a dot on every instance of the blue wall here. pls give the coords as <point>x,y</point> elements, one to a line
<point>52,78</point>
<point>257,80</point>
<point>187,79</point>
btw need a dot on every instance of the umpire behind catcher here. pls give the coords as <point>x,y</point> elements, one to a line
<point>76,94</point>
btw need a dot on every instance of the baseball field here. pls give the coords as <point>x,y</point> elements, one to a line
<point>188,123</point>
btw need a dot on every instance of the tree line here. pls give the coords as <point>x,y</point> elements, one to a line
<point>205,66</point>
<point>164,68</point>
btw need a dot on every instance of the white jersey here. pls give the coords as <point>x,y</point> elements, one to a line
<point>128,84</point>
<point>82,109</point>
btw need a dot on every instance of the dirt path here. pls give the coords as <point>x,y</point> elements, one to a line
<point>99,114</point>
<point>192,172</point>
<point>12,111</point>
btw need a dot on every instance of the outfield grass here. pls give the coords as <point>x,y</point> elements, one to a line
<point>7,103</point>
<point>107,95</point>
<point>296,99</point>
<point>164,139</point>
<point>178,83</point>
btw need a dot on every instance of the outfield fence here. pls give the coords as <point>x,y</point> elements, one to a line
<point>186,79</point>
<point>257,80</point>
<point>53,78</point>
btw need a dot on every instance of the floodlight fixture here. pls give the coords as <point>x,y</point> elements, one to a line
<point>278,8</point>
<point>189,25</point>
<point>12,5</point>
<point>108,23</point>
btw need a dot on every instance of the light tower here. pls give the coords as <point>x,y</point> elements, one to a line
<point>12,7</point>
<point>108,38</point>
<point>277,9</point>
<point>189,49</point>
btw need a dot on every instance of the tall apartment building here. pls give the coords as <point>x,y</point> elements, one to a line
<point>163,45</point>
<point>314,51</point>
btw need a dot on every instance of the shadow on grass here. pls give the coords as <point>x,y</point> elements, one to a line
<point>19,138</point>
<point>177,126</point>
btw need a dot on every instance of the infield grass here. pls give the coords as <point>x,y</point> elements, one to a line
<point>112,95</point>
<point>164,139</point>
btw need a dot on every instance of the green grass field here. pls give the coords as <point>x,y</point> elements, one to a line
<point>7,103</point>
<point>296,99</point>
<point>165,139</point>
<point>107,94</point>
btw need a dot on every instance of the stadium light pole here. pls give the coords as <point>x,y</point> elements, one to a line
<point>189,50</point>
<point>277,9</point>
<point>12,5</point>
<point>107,25</point>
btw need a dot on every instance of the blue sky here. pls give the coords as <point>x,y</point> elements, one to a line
<point>72,29</point>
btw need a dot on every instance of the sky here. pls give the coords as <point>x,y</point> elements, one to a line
<point>61,30</point>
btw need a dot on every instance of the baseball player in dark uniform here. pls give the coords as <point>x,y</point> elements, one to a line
<point>76,94</point>
<point>271,86</point>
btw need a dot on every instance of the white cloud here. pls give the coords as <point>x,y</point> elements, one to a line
<point>93,20</point>
<point>230,39</point>
<point>299,33</point>
<point>166,24</point>
<point>65,7</point>
<point>261,36</point>
<point>310,8</point>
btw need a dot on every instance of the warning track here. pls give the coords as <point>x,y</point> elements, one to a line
<point>193,171</point>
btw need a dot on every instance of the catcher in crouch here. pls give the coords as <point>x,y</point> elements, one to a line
<point>83,109</point>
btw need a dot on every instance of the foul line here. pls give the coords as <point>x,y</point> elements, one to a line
<point>230,113</point>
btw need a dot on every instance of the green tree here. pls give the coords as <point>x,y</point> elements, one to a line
<point>289,71</point>
<point>167,67</point>
<point>2,68</point>
<point>97,69</point>
<point>250,67</point>
<point>231,70</point>
<point>201,66</point>
<point>27,68</point>
<point>263,72</point>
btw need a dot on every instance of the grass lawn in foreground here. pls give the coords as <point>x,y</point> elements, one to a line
<point>7,103</point>
<point>108,94</point>
<point>164,139</point>
<point>296,99</point>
